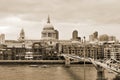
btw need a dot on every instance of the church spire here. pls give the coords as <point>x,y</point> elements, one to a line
<point>48,20</point>
<point>22,35</point>
<point>22,31</point>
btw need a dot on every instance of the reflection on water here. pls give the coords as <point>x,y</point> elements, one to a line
<point>54,72</point>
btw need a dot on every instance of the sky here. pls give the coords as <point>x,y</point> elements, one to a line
<point>86,16</point>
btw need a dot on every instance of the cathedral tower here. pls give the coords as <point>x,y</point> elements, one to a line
<point>22,35</point>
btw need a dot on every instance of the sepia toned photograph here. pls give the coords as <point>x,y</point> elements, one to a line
<point>59,39</point>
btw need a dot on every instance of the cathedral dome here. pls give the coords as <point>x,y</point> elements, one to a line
<point>49,32</point>
<point>48,26</point>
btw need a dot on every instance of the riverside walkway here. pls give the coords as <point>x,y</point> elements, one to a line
<point>33,61</point>
<point>37,62</point>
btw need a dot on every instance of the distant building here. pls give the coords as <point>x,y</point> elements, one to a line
<point>93,37</point>
<point>49,32</point>
<point>93,51</point>
<point>112,51</point>
<point>95,34</point>
<point>6,54</point>
<point>75,36</point>
<point>104,37</point>
<point>2,38</point>
<point>22,35</point>
<point>112,38</point>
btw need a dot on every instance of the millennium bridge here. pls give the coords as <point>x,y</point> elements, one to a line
<point>111,65</point>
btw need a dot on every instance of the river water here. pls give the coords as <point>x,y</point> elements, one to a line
<point>53,72</point>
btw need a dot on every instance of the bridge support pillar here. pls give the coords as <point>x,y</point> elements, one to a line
<point>117,77</point>
<point>67,62</point>
<point>100,73</point>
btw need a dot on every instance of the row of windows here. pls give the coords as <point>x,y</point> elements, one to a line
<point>48,35</point>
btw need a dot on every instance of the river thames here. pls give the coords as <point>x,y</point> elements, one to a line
<point>53,72</point>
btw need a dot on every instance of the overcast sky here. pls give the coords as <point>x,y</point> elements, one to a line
<point>86,16</point>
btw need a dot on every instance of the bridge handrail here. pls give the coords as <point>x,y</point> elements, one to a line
<point>96,63</point>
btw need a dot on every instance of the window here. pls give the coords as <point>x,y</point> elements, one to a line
<point>50,42</point>
<point>44,35</point>
<point>22,37</point>
<point>49,35</point>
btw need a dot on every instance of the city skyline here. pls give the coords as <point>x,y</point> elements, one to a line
<point>82,15</point>
<point>35,32</point>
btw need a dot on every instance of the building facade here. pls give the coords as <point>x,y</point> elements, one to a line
<point>2,38</point>
<point>49,47</point>
<point>112,51</point>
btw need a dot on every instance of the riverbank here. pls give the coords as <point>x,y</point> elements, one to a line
<point>39,62</point>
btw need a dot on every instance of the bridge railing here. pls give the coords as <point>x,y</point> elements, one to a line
<point>108,64</point>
